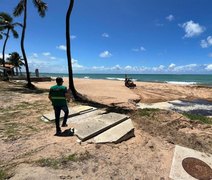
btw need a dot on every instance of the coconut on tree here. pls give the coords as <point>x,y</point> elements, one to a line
<point>16,60</point>
<point>7,26</point>
<point>22,8</point>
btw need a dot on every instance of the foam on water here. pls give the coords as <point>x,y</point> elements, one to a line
<point>182,83</point>
<point>113,78</point>
<point>86,77</point>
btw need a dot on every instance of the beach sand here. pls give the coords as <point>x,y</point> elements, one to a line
<point>29,149</point>
<point>112,92</point>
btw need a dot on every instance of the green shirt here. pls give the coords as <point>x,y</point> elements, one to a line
<point>57,94</point>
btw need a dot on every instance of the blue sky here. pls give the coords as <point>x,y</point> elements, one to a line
<point>119,36</point>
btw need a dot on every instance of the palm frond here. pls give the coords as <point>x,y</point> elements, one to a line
<point>15,33</point>
<point>41,7</point>
<point>18,10</point>
<point>5,18</point>
<point>18,24</point>
<point>1,37</point>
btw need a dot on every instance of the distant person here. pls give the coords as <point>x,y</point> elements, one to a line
<point>36,72</point>
<point>129,83</point>
<point>59,95</point>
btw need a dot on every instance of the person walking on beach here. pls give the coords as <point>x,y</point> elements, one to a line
<point>59,95</point>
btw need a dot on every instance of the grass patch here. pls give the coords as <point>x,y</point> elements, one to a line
<point>3,174</point>
<point>196,117</point>
<point>11,131</point>
<point>34,129</point>
<point>63,161</point>
<point>24,105</point>
<point>147,111</point>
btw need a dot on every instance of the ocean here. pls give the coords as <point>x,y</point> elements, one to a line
<point>184,79</point>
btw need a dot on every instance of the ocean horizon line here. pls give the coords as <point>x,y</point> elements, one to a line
<point>184,79</point>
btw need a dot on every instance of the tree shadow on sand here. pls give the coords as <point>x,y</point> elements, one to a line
<point>21,88</point>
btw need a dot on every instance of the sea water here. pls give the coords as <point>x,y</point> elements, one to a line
<point>184,79</point>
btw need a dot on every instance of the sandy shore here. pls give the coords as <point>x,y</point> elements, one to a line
<point>112,92</point>
<point>30,150</point>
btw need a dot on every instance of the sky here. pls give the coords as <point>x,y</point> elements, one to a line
<point>118,36</point>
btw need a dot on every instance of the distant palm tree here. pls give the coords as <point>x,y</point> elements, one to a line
<point>15,60</point>
<point>68,50</point>
<point>8,26</point>
<point>19,9</point>
<point>2,24</point>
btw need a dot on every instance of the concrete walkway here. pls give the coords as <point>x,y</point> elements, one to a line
<point>96,125</point>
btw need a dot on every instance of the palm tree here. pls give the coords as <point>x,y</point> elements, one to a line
<point>22,8</point>
<point>68,50</point>
<point>16,60</point>
<point>7,26</point>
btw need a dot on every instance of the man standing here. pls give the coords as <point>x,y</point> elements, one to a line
<point>59,96</point>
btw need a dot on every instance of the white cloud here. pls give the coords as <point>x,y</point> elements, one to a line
<point>206,43</point>
<point>208,67</point>
<point>192,29</point>
<point>52,57</point>
<point>185,68</point>
<point>75,64</point>
<point>105,54</point>
<point>159,68</point>
<point>61,47</point>
<point>35,55</point>
<point>170,17</point>
<point>116,67</point>
<point>172,66</point>
<point>139,49</point>
<point>46,53</point>
<point>142,48</point>
<point>128,68</point>
<point>73,37</point>
<point>105,35</point>
<point>101,68</point>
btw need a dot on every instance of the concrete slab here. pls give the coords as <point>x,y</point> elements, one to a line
<point>116,134</point>
<point>73,111</point>
<point>93,126</point>
<point>82,117</point>
<point>180,153</point>
<point>201,107</point>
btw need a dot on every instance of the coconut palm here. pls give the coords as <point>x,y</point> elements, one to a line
<point>22,8</point>
<point>7,26</point>
<point>68,50</point>
<point>16,60</point>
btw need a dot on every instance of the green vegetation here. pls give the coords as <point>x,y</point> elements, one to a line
<point>63,161</point>
<point>2,174</point>
<point>16,60</point>
<point>197,117</point>
<point>147,111</point>
<point>11,131</point>
<point>7,27</point>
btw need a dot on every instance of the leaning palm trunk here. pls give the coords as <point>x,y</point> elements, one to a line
<point>3,52</point>
<point>29,84</point>
<point>68,50</point>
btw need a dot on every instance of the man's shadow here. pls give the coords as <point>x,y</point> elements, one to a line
<point>67,132</point>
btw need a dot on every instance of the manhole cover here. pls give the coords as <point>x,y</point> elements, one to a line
<point>197,168</point>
